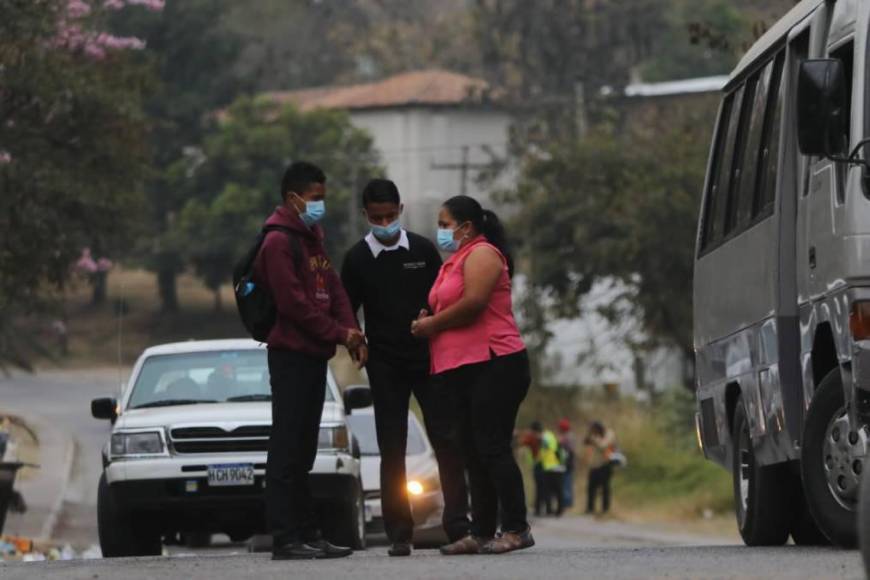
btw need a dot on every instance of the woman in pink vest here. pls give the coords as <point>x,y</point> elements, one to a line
<point>479,363</point>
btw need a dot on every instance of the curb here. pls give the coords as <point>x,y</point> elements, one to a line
<point>50,523</point>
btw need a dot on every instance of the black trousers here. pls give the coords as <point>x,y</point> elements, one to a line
<point>392,384</point>
<point>486,397</point>
<point>553,484</point>
<point>599,477</point>
<point>298,391</point>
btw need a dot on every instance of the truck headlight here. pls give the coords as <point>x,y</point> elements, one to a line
<point>333,437</point>
<point>134,444</point>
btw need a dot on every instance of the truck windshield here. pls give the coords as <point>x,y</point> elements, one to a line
<point>204,377</point>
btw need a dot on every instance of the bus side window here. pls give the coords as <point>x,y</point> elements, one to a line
<point>740,200</point>
<point>768,164</point>
<point>846,54</point>
<point>720,178</point>
<point>713,179</point>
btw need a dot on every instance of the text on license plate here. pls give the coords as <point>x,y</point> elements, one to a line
<point>231,474</point>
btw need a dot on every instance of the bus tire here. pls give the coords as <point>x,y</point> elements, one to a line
<point>761,507</point>
<point>804,530</point>
<point>822,447</point>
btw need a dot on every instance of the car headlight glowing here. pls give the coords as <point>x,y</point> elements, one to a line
<point>143,443</point>
<point>415,487</point>
<point>334,437</point>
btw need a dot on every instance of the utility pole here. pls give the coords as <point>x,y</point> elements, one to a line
<point>463,167</point>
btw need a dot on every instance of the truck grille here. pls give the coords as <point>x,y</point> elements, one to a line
<point>247,438</point>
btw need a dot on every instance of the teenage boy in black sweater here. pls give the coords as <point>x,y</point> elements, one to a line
<point>389,273</point>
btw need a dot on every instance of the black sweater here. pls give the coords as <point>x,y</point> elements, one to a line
<point>392,289</point>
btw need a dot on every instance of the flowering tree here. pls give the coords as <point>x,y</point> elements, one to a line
<point>71,148</point>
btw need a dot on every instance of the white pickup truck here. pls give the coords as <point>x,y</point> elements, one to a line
<point>187,453</point>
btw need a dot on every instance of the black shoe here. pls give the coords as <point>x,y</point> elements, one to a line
<point>329,550</point>
<point>400,549</point>
<point>297,551</point>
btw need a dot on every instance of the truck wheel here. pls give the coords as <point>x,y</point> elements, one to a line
<point>348,523</point>
<point>832,456</point>
<point>118,535</point>
<point>762,507</point>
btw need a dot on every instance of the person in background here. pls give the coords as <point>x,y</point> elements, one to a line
<point>553,471</point>
<point>389,274</point>
<point>480,363</point>
<point>531,441</point>
<point>313,316</point>
<point>600,445</point>
<point>567,446</point>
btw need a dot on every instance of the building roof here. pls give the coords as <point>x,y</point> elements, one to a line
<point>418,88</point>
<point>682,87</point>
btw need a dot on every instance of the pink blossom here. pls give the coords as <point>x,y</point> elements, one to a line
<point>86,264</point>
<point>104,265</point>
<point>113,42</point>
<point>77,8</point>
<point>5,157</point>
<point>113,4</point>
<point>153,5</point>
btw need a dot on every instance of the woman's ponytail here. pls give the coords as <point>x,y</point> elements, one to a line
<point>467,209</point>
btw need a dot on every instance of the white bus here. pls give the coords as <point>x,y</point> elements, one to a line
<point>782,278</point>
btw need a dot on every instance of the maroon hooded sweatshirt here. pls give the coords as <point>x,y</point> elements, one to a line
<point>314,313</point>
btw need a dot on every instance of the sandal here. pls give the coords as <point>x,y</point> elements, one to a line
<point>464,546</point>
<point>508,542</point>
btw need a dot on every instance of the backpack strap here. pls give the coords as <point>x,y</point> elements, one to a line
<point>295,245</point>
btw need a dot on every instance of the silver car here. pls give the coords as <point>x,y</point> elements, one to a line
<point>423,481</point>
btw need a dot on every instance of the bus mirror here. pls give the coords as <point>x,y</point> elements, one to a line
<point>822,108</point>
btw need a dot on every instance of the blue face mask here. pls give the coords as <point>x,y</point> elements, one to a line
<point>446,241</point>
<point>388,232</point>
<point>314,212</point>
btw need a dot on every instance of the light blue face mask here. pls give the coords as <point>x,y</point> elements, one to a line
<point>388,232</point>
<point>446,241</point>
<point>314,212</point>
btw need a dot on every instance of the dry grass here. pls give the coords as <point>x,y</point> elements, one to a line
<point>667,479</point>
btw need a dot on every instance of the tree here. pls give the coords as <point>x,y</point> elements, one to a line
<point>620,205</point>
<point>233,183</point>
<point>193,53</point>
<point>71,152</point>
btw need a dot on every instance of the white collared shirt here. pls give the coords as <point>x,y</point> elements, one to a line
<point>377,247</point>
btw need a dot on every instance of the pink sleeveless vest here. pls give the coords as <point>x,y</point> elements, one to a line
<point>494,331</point>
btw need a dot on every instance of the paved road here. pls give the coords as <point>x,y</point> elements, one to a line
<point>541,562</point>
<point>568,548</point>
<point>63,400</point>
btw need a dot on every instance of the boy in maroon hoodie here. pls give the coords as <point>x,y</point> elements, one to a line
<point>314,315</point>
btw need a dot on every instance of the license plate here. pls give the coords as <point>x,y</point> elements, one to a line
<point>231,474</point>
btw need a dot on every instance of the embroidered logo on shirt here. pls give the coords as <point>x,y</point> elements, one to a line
<point>414,265</point>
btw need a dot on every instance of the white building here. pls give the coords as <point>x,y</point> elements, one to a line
<point>434,130</point>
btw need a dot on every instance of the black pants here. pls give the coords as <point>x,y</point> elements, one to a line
<point>298,391</point>
<point>599,477</point>
<point>555,499</point>
<point>392,384</point>
<point>486,397</point>
<point>541,502</point>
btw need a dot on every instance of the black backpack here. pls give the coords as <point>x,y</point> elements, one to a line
<point>256,306</point>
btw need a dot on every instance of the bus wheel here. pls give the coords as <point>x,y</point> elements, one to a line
<point>832,457</point>
<point>864,521</point>
<point>804,530</point>
<point>762,509</point>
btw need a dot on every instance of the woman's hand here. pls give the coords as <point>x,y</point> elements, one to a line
<point>424,326</point>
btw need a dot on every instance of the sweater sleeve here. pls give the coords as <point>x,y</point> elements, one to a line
<point>350,279</point>
<point>291,300</point>
<point>340,306</point>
